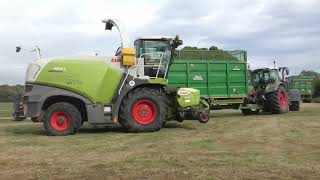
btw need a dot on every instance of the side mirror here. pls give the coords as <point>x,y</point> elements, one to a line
<point>18,48</point>
<point>287,71</point>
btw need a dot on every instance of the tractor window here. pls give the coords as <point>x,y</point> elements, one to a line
<point>261,78</point>
<point>154,51</point>
<point>255,78</point>
<point>274,75</point>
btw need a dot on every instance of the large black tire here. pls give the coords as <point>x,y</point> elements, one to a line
<point>142,110</point>
<point>278,101</point>
<point>294,106</point>
<point>62,119</point>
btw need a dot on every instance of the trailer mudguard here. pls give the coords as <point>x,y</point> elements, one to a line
<point>294,95</point>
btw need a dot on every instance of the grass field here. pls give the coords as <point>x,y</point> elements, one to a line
<point>6,109</point>
<point>230,146</point>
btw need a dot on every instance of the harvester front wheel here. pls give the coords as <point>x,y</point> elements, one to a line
<point>62,119</point>
<point>278,101</point>
<point>142,110</point>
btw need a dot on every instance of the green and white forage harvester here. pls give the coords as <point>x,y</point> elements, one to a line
<point>129,88</point>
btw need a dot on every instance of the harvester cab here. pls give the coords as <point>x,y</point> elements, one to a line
<point>149,57</point>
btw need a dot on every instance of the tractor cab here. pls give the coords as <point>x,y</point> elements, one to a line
<point>262,77</point>
<point>265,76</point>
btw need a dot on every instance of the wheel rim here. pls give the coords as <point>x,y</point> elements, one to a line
<point>144,112</point>
<point>283,100</point>
<point>203,118</point>
<point>60,121</point>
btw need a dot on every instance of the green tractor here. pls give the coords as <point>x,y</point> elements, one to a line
<point>270,93</point>
<point>129,88</point>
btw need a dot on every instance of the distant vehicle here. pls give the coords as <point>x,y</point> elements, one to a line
<point>305,85</point>
<point>270,92</point>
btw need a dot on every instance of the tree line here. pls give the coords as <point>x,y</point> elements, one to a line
<point>10,93</point>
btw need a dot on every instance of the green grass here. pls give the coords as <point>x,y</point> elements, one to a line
<point>230,146</point>
<point>6,109</point>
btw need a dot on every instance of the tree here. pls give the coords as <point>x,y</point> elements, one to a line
<point>213,48</point>
<point>9,93</point>
<point>310,73</point>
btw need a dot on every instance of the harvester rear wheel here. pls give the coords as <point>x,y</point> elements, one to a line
<point>62,119</point>
<point>278,101</point>
<point>295,106</point>
<point>142,110</point>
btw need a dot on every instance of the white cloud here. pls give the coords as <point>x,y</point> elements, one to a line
<point>287,30</point>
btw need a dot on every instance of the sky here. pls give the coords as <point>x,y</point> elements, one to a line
<point>286,31</point>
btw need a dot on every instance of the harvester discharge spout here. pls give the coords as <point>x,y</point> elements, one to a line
<point>125,40</point>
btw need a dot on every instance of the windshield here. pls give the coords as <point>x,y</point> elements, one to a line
<point>260,78</point>
<point>274,75</point>
<point>265,77</point>
<point>154,52</point>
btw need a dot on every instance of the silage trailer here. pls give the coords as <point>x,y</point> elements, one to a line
<point>221,76</point>
<point>304,84</point>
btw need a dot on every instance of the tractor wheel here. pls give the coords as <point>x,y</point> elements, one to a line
<point>278,101</point>
<point>295,106</point>
<point>142,110</point>
<point>62,119</point>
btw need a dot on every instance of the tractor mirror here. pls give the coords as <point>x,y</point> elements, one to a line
<point>287,71</point>
<point>18,48</point>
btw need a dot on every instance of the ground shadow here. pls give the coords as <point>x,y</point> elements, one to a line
<point>220,114</point>
<point>26,130</point>
<point>37,130</point>
<point>177,125</point>
<point>101,129</point>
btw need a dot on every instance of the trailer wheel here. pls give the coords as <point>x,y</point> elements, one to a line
<point>62,119</point>
<point>294,106</point>
<point>278,101</point>
<point>246,112</point>
<point>203,117</point>
<point>306,101</point>
<point>142,110</point>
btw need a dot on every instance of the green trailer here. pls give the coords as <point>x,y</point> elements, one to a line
<point>221,76</point>
<point>304,84</point>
